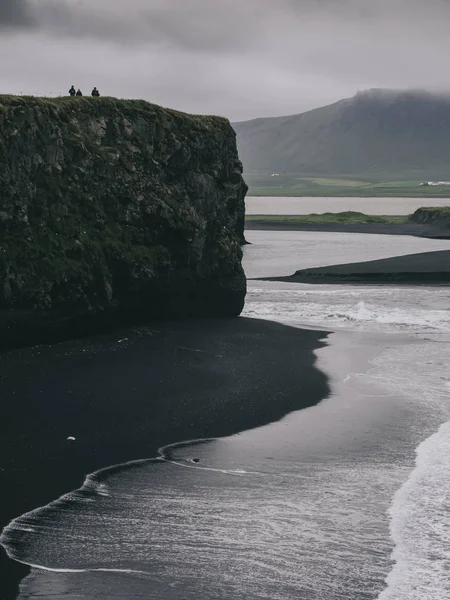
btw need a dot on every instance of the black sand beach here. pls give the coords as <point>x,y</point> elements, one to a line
<point>426,268</point>
<point>124,399</point>
<point>414,229</point>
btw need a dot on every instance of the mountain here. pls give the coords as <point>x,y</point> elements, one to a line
<point>377,134</point>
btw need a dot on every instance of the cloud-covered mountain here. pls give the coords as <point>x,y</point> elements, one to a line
<point>376,134</point>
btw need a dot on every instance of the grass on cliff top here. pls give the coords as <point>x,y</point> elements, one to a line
<point>107,106</point>
<point>443,211</point>
<point>344,218</point>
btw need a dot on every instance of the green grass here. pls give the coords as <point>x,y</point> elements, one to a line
<point>108,106</point>
<point>262,184</point>
<point>438,211</point>
<point>345,218</point>
<point>332,182</point>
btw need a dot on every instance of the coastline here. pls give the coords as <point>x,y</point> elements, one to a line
<point>413,229</point>
<point>427,268</point>
<point>343,193</point>
<point>343,434</point>
<point>125,394</point>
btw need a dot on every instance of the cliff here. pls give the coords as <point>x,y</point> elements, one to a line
<point>437,216</point>
<point>115,211</point>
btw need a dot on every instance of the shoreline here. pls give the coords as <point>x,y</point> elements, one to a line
<point>412,229</point>
<point>346,193</point>
<point>324,436</point>
<point>128,393</point>
<point>427,268</point>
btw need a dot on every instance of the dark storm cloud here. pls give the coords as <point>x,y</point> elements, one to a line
<point>241,58</point>
<point>211,25</point>
<point>191,24</point>
<point>14,13</point>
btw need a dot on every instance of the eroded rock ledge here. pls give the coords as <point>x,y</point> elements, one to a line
<point>114,210</point>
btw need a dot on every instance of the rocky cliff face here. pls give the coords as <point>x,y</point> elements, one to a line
<point>113,209</point>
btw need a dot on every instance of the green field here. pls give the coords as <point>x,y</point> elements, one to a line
<point>344,218</point>
<point>263,184</point>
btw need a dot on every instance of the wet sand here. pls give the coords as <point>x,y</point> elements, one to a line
<point>124,395</point>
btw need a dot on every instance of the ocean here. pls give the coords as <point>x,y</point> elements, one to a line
<point>349,499</point>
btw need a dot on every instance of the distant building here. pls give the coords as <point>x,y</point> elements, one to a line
<point>436,183</point>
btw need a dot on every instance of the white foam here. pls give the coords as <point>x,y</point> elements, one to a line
<point>420,511</point>
<point>99,488</point>
<point>99,570</point>
<point>92,484</point>
<point>420,526</point>
<point>163,451</point>
<point>164,455</point>
<point>414,311</point>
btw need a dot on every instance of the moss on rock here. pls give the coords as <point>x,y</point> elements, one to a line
<point>115,208</point>
<point>432,215</point>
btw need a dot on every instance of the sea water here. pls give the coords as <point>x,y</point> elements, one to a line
<point>416,372</point>
<point>419,513</point>
<point>345,500</point>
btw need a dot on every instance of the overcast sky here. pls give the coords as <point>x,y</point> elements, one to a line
<point>239,58</point>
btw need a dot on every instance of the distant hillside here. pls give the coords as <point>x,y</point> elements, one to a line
<point>375,135</point>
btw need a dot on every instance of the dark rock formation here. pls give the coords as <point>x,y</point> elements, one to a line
<point>437,216</point>
<point>115,210</point>
<point>426,268</point>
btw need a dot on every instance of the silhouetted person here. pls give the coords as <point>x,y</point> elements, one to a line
<point>95,93</point>
<point>79,92</point>
<point>72,91</point>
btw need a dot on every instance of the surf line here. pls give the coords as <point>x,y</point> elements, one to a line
<point>414,517</point>
<point>68,570</point>
<point>93,483</point>
<point>189,464</point>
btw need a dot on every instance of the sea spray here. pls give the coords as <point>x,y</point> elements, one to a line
<point>420,526</point>
<point>385,310</point>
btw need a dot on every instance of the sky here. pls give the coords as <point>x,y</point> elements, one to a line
<point>238,58</point>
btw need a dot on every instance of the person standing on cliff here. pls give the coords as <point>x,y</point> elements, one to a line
<point>79,92</point>
<point>95,93</point>
<point>72,91</point>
